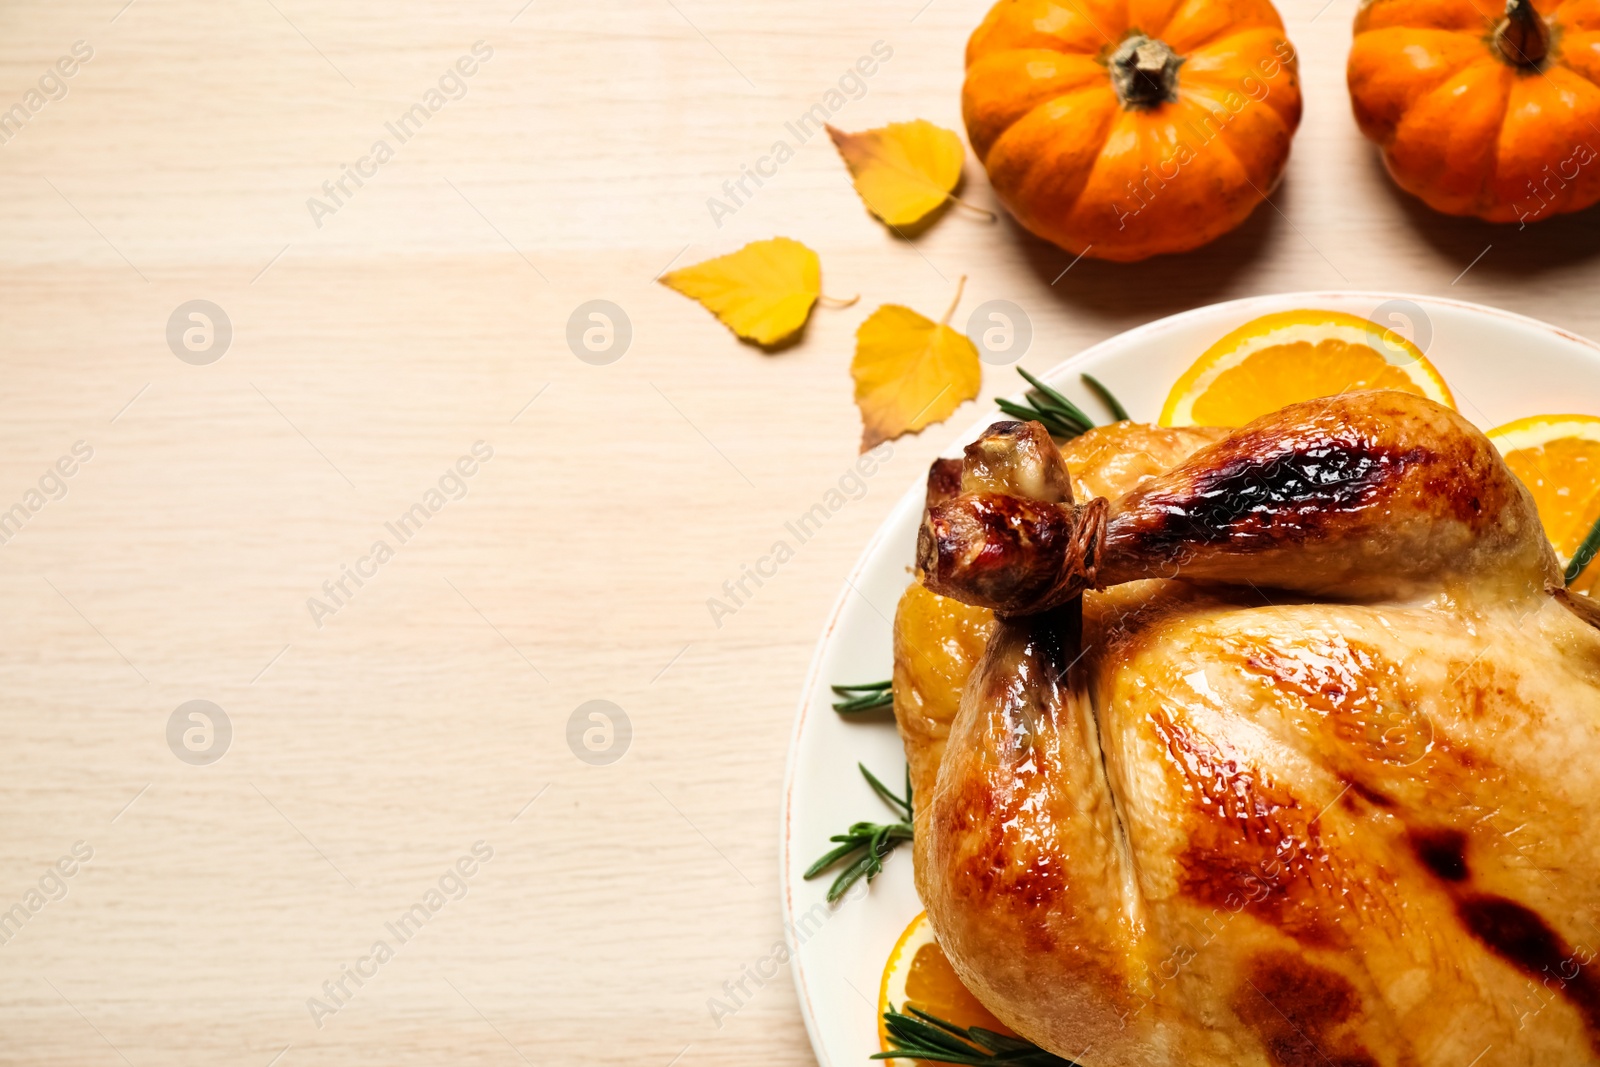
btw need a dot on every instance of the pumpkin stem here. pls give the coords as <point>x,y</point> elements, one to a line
<point>1522,37</point>
<point>1144,71</point>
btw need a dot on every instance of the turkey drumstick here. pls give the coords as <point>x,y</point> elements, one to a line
<point>1361,496</point>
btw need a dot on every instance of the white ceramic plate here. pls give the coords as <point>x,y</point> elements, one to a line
<point>1500,366</point>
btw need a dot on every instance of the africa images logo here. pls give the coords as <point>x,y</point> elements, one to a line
<point>852,85</point>
<point>452,85</point>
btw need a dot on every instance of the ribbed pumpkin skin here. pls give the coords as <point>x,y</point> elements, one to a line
<point>1468,132</point>
<point>1081,169</point>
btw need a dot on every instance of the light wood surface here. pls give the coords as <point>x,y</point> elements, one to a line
<point>430,711</point>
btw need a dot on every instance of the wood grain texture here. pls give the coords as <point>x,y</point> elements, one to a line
<point>370,352</point>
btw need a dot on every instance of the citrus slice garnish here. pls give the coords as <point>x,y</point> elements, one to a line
<point>1558,459</point>
<point>1292,356</point>
<point>919,975</point>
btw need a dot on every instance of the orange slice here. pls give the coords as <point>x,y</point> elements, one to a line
<point>1292,356</point>
<point>919,974</point>
<point>1558,459</point>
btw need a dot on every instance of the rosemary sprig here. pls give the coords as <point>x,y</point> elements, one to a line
<point>1060,416</point>
<point>1118,412</point>
<point>866,844</point>
<point>869,696</point>
<point>1064,419</point>
<point>1586,552</point>
<point>916,1035</point>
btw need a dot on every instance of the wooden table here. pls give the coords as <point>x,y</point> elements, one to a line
<point>381,731</point>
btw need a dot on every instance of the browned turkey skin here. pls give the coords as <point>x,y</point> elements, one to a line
<point>1305,777</point>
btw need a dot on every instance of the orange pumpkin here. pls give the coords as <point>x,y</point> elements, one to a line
<point>1482,109</point>
<point>1122,129</point>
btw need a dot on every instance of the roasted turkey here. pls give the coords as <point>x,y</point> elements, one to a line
<point>1278,749</point>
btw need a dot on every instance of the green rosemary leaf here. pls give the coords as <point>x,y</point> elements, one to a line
<point>1057,426</point>
<point>934,1057</point>
<point>999,1042</point>
<point>865,846</point>
<point>833,856</point>
<point>1586,552</point>
<point>866,867</point>
<point>905,1031</point>
<point>1060,416</point>
<point>1044,394</point>
<point>1118,412</point>
<point>926,1040</point>
<point>869,696</point>
<point>918,1035</point>
<point>1064,419</point>
<point>902,806</point>
<point>928,1019</point>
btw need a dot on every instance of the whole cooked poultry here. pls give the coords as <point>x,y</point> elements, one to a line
<point>1280,750</point>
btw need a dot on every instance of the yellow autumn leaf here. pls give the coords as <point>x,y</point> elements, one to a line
<point>904,170</point>
<point>910,371</point>
<point>763,292</point>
